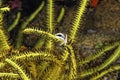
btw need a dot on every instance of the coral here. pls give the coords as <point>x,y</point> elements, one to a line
<point>94,3</point>
<point>45,61</point>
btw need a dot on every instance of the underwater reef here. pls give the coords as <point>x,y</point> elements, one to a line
<point>53,56</point>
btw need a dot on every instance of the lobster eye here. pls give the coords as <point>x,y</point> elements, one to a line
<point>60,35</point>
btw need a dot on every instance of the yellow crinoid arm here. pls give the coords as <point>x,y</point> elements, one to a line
<point>22,74</point>
<point>77,19</point>
<point>4,45</point>
<point>50,15</point>
<point>50,21</point>
<point>4,9</point>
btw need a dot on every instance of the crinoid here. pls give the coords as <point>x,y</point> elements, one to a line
<point>49,63</point>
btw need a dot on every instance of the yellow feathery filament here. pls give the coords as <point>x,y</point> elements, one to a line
<point>20,71</point>
<point>4,9</point>
<point>78,18</point>
<point>50,16</point>
<point>3,41</point>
